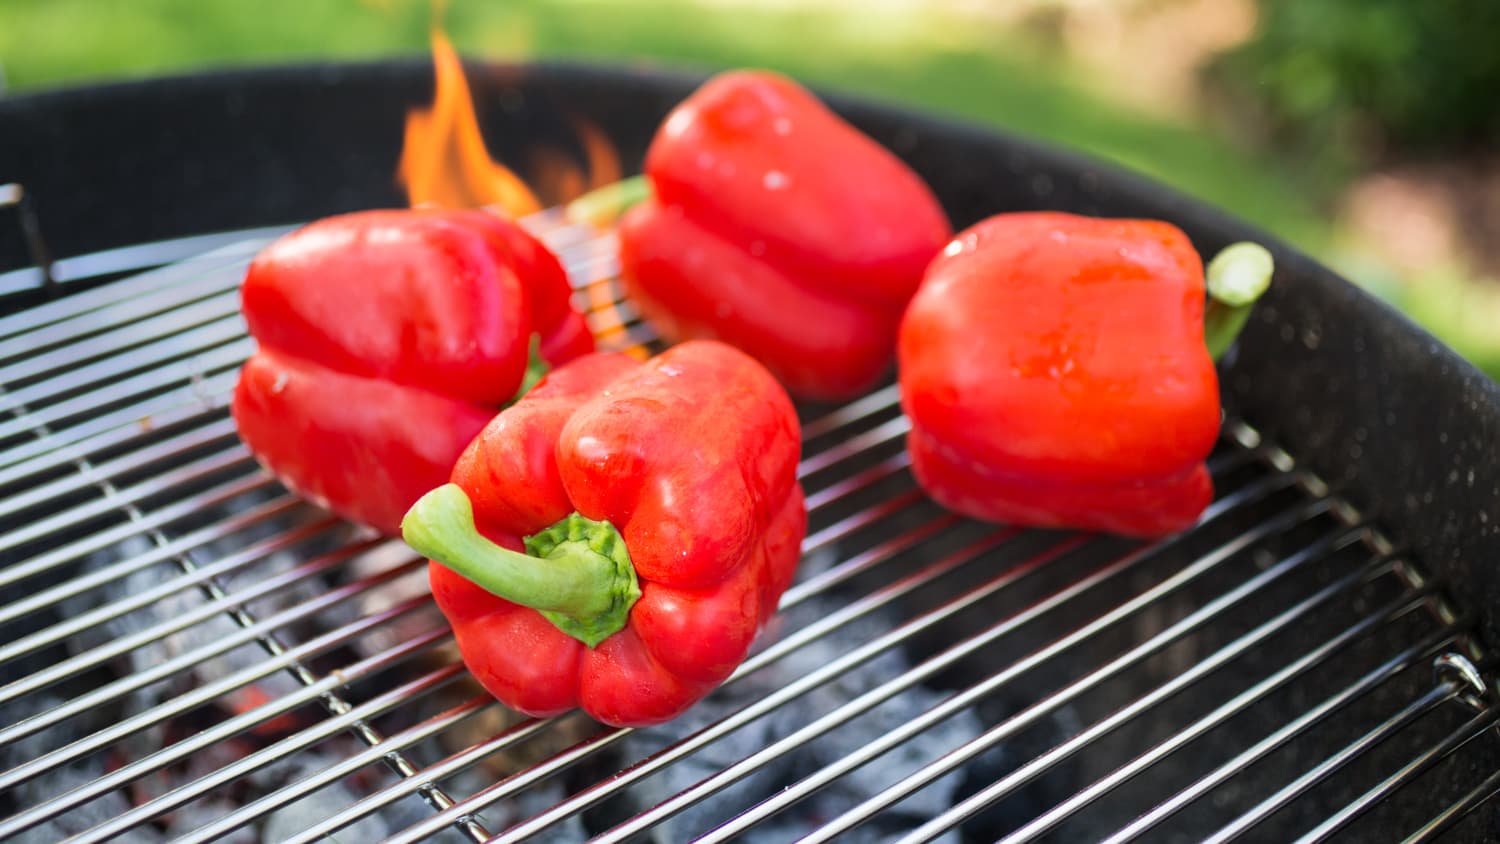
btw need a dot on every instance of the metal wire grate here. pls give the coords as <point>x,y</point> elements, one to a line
<point>189,652</point>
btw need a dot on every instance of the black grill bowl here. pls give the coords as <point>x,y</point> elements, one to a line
<point>1392,421</point>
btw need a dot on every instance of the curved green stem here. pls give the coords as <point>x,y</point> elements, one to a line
<point>1236,278</point>
<point>577,572</point>
<point>602,206</point>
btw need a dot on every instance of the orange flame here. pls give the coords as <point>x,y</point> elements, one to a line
<point>559,177</point>
<point>444,161</point>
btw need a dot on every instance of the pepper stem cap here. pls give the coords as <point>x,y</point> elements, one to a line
<point>602,206</point>
<point>1236,278</point>
<point>576,573</point>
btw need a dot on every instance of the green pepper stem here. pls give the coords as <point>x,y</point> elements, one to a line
<point>536,367</point>
<point>577,572</point>
<point>1236,278</point>
<point>602,206</point>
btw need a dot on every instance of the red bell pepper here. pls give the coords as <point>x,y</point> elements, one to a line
<point>386,340</point>
<point>662,519</point>
<point>776,226</point>
<point>1056,373</point>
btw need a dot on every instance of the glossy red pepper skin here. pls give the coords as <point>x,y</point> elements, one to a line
<point>386,340</point>
<point>692,456</point>
<point>779,228</point>
<point>1055,374</point>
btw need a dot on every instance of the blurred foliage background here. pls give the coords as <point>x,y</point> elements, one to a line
<point>1366,132</point>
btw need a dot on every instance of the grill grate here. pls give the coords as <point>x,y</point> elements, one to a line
<point>190,653</point>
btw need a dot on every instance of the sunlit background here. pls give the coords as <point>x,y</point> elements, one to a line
<point>1366,132</point>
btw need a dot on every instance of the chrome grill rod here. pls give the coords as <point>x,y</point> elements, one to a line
<point>227,729</point>
<point>403,740</point>
<point>138,297</point>
<point>159,452</point>
<point>588,258</point>
<point>1445,691</point>
<point>1457,811</point>
<point>951,655</point>
<point>1477,726</point>
<point>215,322</point>
<point>756,661</point>
<point>761,707</point>
<point>210,362</point>
<point>96,656</point>
<point>1426,647</point>
<point>39,422</point>
<point>1039,826</point>
<point>853,658</point>
<point>199,696</point>
<point>1050,704</point>
<point>278,507</point>
<point>355,716</point>
<point>117,427</point>
<point>93,543</point>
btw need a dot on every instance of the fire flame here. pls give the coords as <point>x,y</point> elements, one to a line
<point>444,161</point>
<point>557,175</point>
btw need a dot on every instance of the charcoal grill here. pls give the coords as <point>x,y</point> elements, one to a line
<point>188,652</point>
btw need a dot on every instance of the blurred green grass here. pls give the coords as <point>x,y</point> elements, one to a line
<point>933,60</point>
